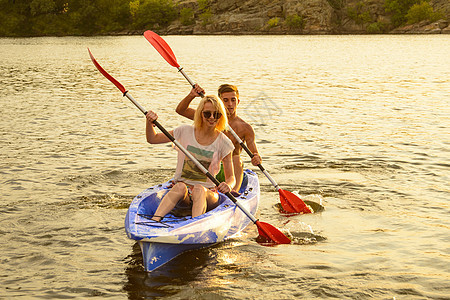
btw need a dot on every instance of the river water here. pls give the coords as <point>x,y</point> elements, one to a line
<point>360,123</point>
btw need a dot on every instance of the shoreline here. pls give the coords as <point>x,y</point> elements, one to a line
<point>235,34</point>
<point>422,28</point>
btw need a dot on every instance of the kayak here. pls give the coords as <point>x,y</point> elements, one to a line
<point>177,232</point>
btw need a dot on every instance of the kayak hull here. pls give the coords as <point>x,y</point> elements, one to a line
<point>162,241</point>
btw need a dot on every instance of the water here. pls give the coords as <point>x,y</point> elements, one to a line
<point>358,122</point>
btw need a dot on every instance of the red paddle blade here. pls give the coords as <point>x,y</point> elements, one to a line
<point>162,47</point>
<point>271,233</point>
<point>291,203</point>
<point>110,78</point>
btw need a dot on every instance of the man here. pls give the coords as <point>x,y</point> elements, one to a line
<point>229,95</point>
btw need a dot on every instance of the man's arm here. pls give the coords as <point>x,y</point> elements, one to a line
<point>183,107</point>
<point>251,145</point>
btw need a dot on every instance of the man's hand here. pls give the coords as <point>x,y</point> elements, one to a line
<point>256,159</point>
<point>196,91</point>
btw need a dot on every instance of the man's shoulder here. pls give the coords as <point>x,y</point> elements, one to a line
<point>242,126</point>
<point>238,121</point>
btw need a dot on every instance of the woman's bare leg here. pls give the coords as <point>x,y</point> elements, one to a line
<point>238,172</point>
<point>202,199</point>
<point>179,191</point>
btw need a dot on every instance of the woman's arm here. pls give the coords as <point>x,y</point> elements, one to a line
<point>152,136</point>
<point>230,181</point>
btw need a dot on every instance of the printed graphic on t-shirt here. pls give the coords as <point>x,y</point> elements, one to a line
<point>190,170</point>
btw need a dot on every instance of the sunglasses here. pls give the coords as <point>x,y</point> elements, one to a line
<point>207,114</point>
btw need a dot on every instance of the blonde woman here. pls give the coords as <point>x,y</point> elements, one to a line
<point>206,142</point>
<point>229,95</point>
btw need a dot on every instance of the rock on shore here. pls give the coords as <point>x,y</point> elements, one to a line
<point>317,17</point>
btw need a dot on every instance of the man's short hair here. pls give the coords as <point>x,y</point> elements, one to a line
<point>225,88</point>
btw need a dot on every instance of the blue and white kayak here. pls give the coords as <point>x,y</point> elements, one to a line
<point>162,241</point>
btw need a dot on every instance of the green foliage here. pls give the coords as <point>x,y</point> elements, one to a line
<point>10,24</point>
<point>376,27</point>
<point>359,13</point>
<point>39,7</point>
<point>134,7</point>
<point>153,13</point>
<point>295,22</point>
<point>187,16</point>
<point>206,17</point>
<point>273,22</point>
<point>87,19</point>
<point>82,17</point>
<point>421,12</point>
<point>399,9</point>
<point>202,4</point>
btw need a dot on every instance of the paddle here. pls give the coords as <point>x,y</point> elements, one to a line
<point>289,201</point>
<point>265,230</point>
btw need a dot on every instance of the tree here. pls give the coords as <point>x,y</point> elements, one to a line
<point>421,12</point>
<point>187,16</point>
<point>399,9</point>
<point>39,7</point>
<point>155,12</point>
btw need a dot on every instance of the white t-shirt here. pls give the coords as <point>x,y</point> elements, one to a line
<point>209,156</point>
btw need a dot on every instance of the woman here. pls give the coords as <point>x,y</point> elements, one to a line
<point>205,141</point>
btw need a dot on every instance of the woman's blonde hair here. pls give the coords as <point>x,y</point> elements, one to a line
<point>218,105</point>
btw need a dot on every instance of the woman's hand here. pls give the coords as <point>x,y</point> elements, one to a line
<point>224,188</point>
<point>151,116</point>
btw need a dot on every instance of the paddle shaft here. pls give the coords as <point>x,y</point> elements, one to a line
<point>180,69</point>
